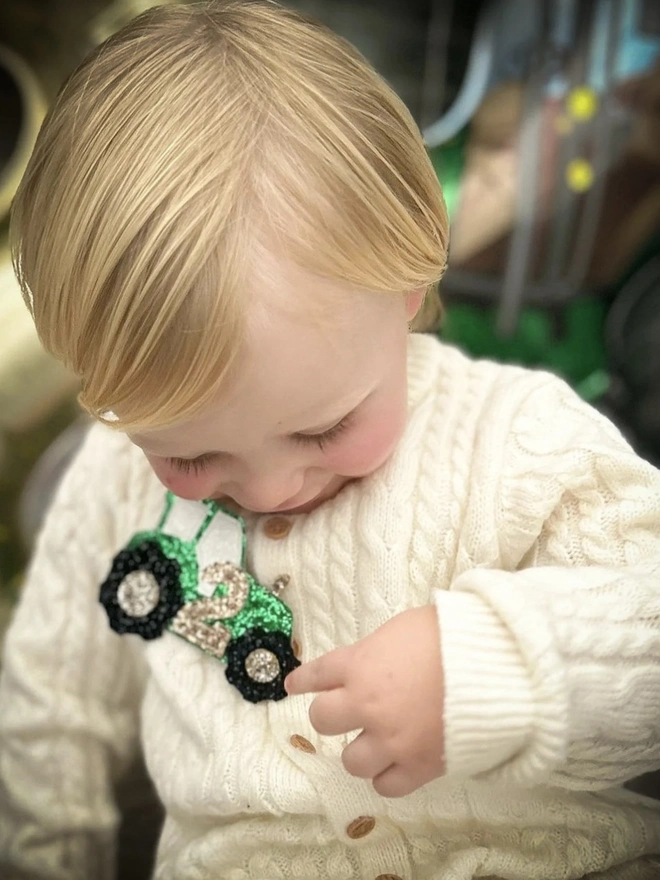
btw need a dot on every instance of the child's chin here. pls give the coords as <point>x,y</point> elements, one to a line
<point>302,508</point>
<point>327,495</point>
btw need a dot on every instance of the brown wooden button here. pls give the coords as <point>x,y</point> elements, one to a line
<point>388,877</point>
<point>360,827</point>
<point>277,527</point>
<point>302,743</point>
<point>296,647</point>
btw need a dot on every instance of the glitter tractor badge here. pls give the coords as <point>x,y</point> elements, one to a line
<point>188,576</point>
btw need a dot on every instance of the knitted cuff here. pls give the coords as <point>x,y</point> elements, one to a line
<point>488,707</point>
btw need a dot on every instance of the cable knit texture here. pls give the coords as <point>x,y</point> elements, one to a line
<point>510,504</point>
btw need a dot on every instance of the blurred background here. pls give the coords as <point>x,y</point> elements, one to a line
<point>543,122</point>
<point>542,118</point>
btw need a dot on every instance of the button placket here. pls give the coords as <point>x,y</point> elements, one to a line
<point>302,744</point>
<point>277,527</point>
<point>267,547</point>
<point>360,827</point>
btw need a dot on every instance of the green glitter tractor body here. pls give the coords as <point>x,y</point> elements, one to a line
<point>188,576</point>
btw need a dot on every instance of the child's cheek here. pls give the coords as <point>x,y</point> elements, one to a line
<point>192,487</point>
<point>367,448</point>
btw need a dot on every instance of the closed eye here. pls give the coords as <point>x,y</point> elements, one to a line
<point>202,462</point>
<point>326,437</point>
<point>192,465</point>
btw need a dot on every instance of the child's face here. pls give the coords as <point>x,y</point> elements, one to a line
<point>319,400</point>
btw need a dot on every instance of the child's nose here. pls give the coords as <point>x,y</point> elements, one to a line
<point>264,494</point>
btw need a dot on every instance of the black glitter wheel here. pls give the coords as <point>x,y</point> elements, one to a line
<point>142,593</point>
<point>258,662</point>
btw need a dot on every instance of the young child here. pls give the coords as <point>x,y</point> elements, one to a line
<point>227,226</point>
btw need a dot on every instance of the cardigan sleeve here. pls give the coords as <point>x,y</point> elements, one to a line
<point>69,688</point>
<point>552,669</point>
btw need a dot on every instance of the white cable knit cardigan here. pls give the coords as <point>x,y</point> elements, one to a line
<point>509,503</point>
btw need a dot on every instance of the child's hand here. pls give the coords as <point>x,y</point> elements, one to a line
<point>390,686</point>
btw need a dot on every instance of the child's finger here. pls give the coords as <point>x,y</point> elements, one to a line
<point>332,713</point>
<point>324,674</point>
<point>398,781</point>
<point>365,757</point>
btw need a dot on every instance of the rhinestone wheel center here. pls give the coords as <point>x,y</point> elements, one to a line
<point>138,593</point>
<point>262,665</point>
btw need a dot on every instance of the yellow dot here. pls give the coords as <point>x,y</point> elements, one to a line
<point>582,103</point>
<point>579,175</point>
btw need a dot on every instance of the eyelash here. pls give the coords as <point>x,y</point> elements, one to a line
<point>191,465</point>
<point>327,437</point>
<point>201,463</point>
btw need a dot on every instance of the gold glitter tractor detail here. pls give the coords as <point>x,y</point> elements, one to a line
<point>190,622</point>
<point>236,582</point>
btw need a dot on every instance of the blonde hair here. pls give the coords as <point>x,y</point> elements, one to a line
<point>175,143</point>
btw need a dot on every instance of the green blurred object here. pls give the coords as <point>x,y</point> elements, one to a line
<point>570,344</point>
<point>448,162</point>
<point>568,341</point>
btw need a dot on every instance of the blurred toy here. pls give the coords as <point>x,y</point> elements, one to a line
<point>562,148</point>
<point>629,215</point>
<point>550,159</point>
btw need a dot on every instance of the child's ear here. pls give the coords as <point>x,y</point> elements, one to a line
<point>414,300</point>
